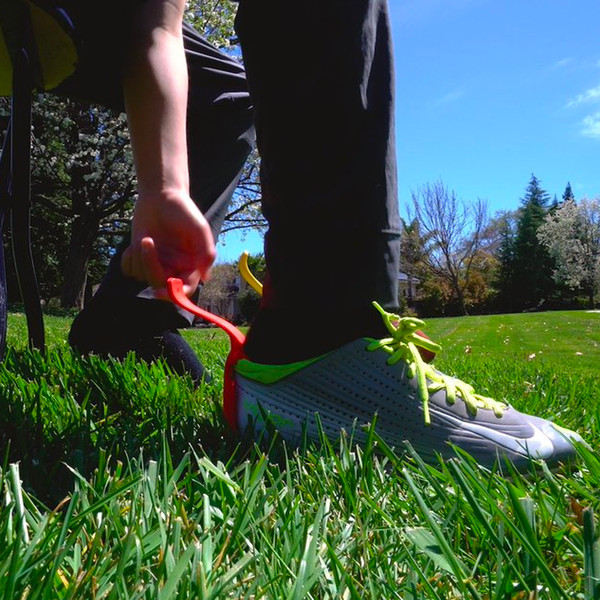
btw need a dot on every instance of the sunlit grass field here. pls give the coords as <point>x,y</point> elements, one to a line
<point>561,338</point>
<point>120,480</point>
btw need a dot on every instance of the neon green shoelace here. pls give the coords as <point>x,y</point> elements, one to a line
<point>403,345</point>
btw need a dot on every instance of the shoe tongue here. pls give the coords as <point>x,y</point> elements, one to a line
<point>426,355</point>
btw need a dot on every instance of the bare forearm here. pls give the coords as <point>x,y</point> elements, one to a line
<point>156,85</point>
<point>170,237</point>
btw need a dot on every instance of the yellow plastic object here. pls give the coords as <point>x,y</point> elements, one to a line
<point>254,283</point>
<point>56,50</point>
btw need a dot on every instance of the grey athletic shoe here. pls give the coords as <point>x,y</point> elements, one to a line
<point>413,401</point>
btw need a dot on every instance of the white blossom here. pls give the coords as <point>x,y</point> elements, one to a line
<point>572,236</point>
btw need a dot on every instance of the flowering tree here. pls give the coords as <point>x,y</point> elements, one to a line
<point>83,177</point>
<point>572,235</point>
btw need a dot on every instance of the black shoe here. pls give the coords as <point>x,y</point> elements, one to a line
<point>108,327</point>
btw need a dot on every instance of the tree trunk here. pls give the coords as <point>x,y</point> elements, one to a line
<point>84,232</point>
<point>461,300</point>
<point>454,282</point>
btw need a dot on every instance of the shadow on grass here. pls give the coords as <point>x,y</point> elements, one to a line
<point>59,409</point>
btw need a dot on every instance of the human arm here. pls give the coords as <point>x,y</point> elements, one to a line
<point>170,236</point>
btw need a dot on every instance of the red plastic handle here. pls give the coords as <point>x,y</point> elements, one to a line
<point>236,338</point>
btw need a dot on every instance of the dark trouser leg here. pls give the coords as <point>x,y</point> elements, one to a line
<point>220,137</point>
<point>325,131</point>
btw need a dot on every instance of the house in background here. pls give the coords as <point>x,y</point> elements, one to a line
<point>407,287</point>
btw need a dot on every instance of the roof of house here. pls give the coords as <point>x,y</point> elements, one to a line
<point>405,277</point>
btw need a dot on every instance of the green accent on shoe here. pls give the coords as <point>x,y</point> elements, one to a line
<point>264,373</point>
<point>402,345</point>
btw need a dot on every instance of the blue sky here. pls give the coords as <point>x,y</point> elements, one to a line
<point>489,92</point>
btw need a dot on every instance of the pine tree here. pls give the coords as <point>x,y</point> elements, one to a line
<point>568,195</point>
<point>505,279</point>
<point>532,265</point>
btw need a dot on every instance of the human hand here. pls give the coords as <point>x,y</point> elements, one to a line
<point>170,238</point>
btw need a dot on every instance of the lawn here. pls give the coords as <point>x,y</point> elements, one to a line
<point>561,338</point>
<point>120,480</point>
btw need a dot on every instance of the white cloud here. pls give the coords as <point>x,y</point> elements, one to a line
<point>561,64</point>
<point>591,126</point>
<point>589,96</point>
<point>451,96</point>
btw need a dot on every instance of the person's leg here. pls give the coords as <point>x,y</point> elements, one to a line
<point>325,132</point>
<point>121,317</point>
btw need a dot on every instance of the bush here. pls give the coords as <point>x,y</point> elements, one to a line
<point>249,302</point>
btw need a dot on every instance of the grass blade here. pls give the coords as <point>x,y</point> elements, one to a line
<point>591,556</point>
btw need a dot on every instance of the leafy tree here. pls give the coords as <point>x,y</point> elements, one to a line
<point>220,291</point>
<point>82,173</point>
<point>572,236</point>
<point>225,294</point>
<point>436,298</point>
<point>453,230</point>
<point>249,299</point>
<point>214,18</point>
<point>245,211</point>
<point>82,186</point>
<point>480,292</point>
<point>505,223</point>
<point>412,253</point>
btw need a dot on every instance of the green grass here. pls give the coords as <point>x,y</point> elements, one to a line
<point>562,339</point>
<point>120,480</point>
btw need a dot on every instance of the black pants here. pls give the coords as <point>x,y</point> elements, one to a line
<point>322,82</point>
<point>320,74</point>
